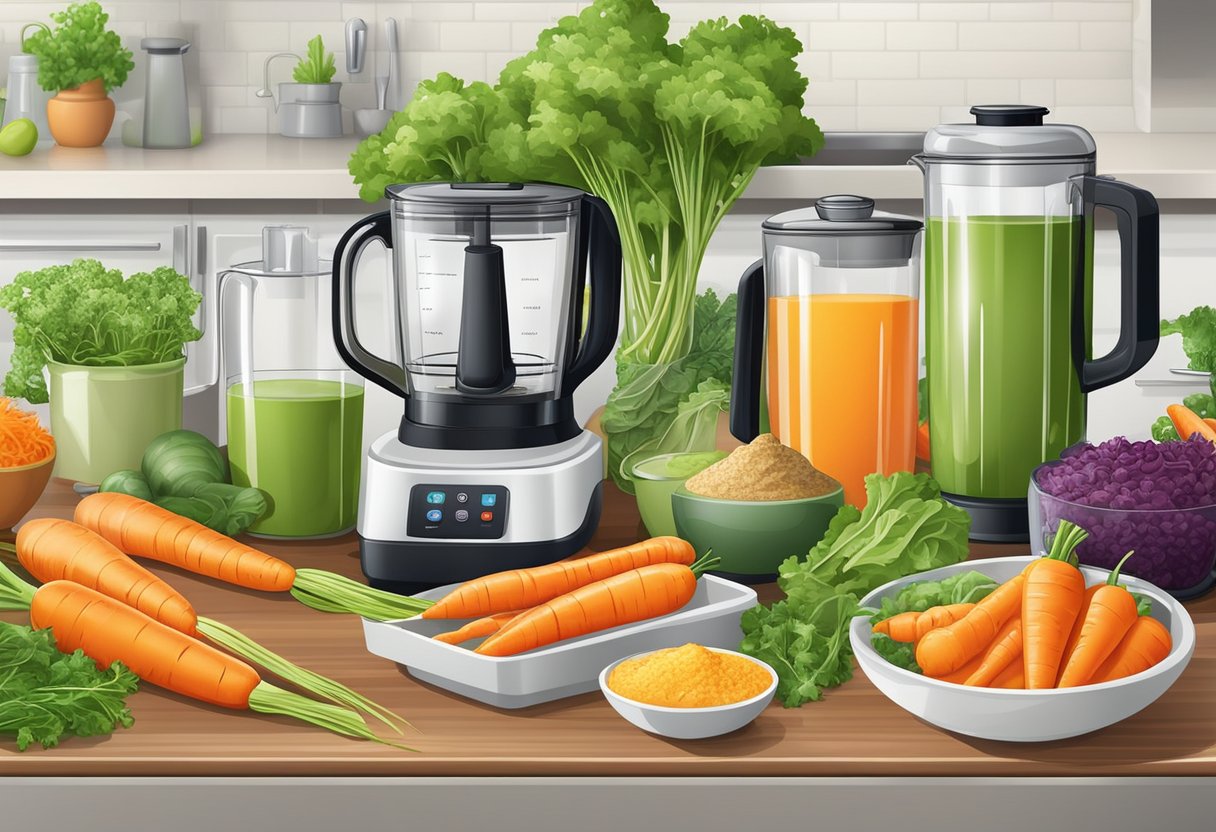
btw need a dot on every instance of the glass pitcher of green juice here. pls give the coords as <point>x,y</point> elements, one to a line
<point>1009,225</point>
<point>294,410</point>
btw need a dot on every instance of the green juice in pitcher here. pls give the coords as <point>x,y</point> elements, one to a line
<point>300,442</point>
<point>1003,391</point>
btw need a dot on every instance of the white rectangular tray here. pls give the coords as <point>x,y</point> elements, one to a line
<point>564,669</point>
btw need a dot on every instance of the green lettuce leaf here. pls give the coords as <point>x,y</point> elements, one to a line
<point>963,588</point>
<point>1198,331</point>
<point>899,653</point>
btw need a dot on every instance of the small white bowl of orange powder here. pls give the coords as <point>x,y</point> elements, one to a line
<point>689,692</point>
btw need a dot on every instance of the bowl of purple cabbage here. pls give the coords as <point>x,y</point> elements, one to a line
<point>1158,498</point>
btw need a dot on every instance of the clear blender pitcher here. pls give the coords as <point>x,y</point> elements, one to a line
<point>1009,207</point>
<point>294,410</point>
<point>837,295</point>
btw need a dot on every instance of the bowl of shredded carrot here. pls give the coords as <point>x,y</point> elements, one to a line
<point>27,455</point>
<point>689,692</point>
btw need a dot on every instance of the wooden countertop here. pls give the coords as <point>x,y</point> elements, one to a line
<point>854,731</point>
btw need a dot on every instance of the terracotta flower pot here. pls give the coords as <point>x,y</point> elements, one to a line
<point>81,116</point>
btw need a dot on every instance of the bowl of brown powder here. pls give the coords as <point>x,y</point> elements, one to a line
<point>755,508</point>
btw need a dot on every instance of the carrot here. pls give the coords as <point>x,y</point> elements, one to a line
<point>1146,644</point>
<point>1187,423</point>
<point>1012,677</point>
<point>1112,612</point>
<point>1210,423</point>
<point>23,441</point>
<point>1071,644</point>
<point>145,530</point>
<point>959,676</point>
<point>645,592</point>
<point>487,626</point>
<point>1051,603</point>
<point>54,550</point>
<point>912,626</point>
<point>107,631</point>
<point>922,441</point>
<point>947,649</point>
<point>1006,649</point>
<point>521,589</point>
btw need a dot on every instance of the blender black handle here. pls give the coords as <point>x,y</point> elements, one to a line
<point>1138,221</point>
<point>604,316</point>
<point>387,374</point>
<point>749,352</point>
<point>484,365</point>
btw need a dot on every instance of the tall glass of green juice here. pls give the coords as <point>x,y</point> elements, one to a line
<point>1003,390</point>
<point>299,440</point>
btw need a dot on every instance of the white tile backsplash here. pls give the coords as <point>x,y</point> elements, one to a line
<point>873,64</point>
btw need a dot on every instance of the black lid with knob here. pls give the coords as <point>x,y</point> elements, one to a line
<point>841,214</point>
<point>1008,133</point>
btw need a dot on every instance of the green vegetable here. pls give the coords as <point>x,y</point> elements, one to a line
<point>46,695</point>
<point>669,134</point>
<point>1163,429</point>
<point>318,67</point>
<point>905,528</point>
<point>85,314</point>
<point>18,137</point>
<point>1198,331</point>
<point>899,653</point>
<point>183,472</point>
<point>963,588</point>
<point>79,49</point>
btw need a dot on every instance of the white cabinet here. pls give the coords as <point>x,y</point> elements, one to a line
<point>130,242</point>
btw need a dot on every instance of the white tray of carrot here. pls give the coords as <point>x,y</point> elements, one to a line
<point>563,669</point>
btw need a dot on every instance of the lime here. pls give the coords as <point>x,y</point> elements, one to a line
<point>18,138</point>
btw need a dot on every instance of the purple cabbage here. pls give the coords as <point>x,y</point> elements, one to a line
<point>1158,498</point>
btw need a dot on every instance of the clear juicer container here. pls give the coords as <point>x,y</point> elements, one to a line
<point>294,410</point>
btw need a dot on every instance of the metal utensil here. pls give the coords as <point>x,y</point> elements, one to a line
<point>381,91</point>
<point>393,100</point>
<point>1187,372</point>
<point>356,45</point>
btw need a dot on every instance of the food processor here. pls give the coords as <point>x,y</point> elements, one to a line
<point>1009,219</point>
<point>489,469</point>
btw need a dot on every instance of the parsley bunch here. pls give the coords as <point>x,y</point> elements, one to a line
<point>46,695</point>
<point>79,49</point>
<point>85,314</point>
<point>318,67</point>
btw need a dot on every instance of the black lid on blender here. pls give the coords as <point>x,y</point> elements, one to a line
<point>456,194</point>
<point>841,214</point>
<point>1008,133</point>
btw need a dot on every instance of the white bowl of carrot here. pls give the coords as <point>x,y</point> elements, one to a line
<point>1020,715</point>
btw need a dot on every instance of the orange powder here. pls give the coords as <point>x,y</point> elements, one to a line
<point>691,676</point>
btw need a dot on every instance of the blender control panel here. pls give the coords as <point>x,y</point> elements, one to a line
<point>475,512</point>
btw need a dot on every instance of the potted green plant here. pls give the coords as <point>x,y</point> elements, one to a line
<point>82,61</point>
<point>113,353</point>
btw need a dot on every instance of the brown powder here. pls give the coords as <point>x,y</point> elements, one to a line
<point>691,676</point>
<point>764,469</point>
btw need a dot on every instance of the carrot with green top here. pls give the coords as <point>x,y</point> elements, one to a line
<point>478,628</point>
<point>1112,612</point>
<point>1187,422</point>
<point>1006,649</point>
<point>947,649</point>
<point>1146,643</point>
<point>1051,602</point>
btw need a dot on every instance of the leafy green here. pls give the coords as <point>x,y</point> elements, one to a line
<point>318,67</point>
<point>183,472</point>
<point>694,428</point>
<point>899,653</point>
<point>85,314</point>
<point>46,695</point>
<point>668,134</point>
<point>963,588</point>
<point>1198,331</point>
<point>905,528</point>
<point>79,49</point>
<point>1144,604</point>
<point>1163,429</point>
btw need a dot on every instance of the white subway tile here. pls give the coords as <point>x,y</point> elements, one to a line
<point>440,11</point>
<point>1029,37</point>
<point>1098,119</point>
<point>129,10</point>
<point>1107,35</point>
<point>1041,91</point>
<point>511,12</point>
<point>1095,92</point>
<point>915,92</point>
<point>864,65</point>
<point>956,115</point>
<point>954,11</point>
<point>416,35</point>
<point>922,35</point>
<point>465,36</point>
<point>800,11</point>
<point>815,65</point>
<point>842,36</point>
<point>227,96</point>
<point>833,118</point>
<point>831,93</point>
<point>260,10</point>
<point>878,11</point>
<point>1092,11</point>
<point>129,30</point>
<point>470,66</point>
<point>245,120</point>
<point>248,36</point>
<point>332,33</point>
<point>496,61</point>
<point>1020,11</point>
<point>218,68</point>
<point>993,91</point>
<point>897,118</point>
<point>523,35</point>
<point>966,64</point>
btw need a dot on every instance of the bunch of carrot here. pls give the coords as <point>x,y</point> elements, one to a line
<point>23,441</point>
<point>523,609</point>
<point>1042,629</point>
<point>1187,422</point>
<point>97,599</point>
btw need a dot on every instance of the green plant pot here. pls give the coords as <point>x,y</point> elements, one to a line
<point>753,537</point>
<point>103,417</point>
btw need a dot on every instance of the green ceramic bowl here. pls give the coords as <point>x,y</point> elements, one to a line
<point>753,537</point>
<point>656,478</point>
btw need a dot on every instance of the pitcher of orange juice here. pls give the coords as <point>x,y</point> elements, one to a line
<point>832,312</point>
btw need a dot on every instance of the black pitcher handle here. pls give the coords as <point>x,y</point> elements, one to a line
<point>604,316</point>
<point>1138,220</point>
<point>387,374</point>
<point>749,353</point>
